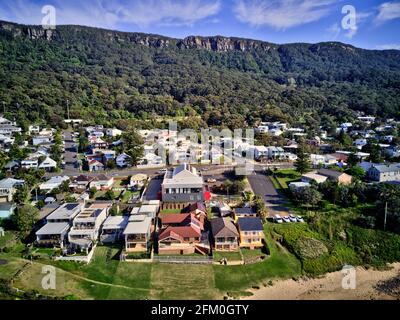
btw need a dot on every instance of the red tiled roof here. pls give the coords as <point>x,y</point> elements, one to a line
<point>180,232</point>
<point>174,218</point>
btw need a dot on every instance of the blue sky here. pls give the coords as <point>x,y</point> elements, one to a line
<point>376,24</point>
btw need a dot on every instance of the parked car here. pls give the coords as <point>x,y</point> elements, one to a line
<point>286,219</point>
<point>292,218</point>
<point>300,219</point>
<point>211,180</point>
<point>162,171</point>
<point>278,219</point>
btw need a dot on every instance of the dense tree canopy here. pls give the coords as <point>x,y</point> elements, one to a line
<point>111,77</point>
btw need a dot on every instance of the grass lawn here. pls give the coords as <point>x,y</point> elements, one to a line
<point>230,256</point>
<point>108,278</point>
<point>183,282</point>
<point>8,239</point>
<point>281,264</point>
<point>251,254</point>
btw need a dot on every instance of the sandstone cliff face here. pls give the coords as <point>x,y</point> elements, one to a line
<point>218,43</point>
<point>223,44</point>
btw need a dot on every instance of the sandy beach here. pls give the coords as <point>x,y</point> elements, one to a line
<point>329,287</point>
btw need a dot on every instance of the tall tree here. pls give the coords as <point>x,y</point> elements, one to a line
<point>25,218</point>
<point>133,145</point>
<point>303,162</point>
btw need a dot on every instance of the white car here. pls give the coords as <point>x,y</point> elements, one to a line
<point>300,219</point>
<point>286,219</point>
<point>278,219</point>
<point>211,180</point>
<point>292,218</point>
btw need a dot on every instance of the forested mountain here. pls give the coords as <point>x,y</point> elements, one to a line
<point>109,76</point>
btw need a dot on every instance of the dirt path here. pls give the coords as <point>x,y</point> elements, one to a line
<point>329,287</point>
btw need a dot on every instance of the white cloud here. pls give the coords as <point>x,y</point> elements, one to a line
<point>388,11</point>
<point>334,31</point>
<point>388,46</point>
<point>108,14</point>
<point>281,14</point>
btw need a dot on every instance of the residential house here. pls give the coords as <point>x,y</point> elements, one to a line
<point>224,209</point>
<point>113,132</point>
<point>48,165</point>
<point>275,153</point>
<point>113,229</point>
<point>313,176</point>
<point>58,222</point>
<point>97,143</point>
<point>298,185</point>
<point>384,172</point>
<point>65,213</point>
<point>182,234</point>
<point>360,143</point>
<point>6,210</point>
<point>181,187</point>
<point>12,165</point>
<point>30,163</point>
<point>53,234</point>
<point>149,210</point>
<point>8,187</point>
<point>337,176</point>
<point>95,165</point>
<point>225,234</point>
<point>123,160</point>
<point>251,233</point>
<point>199,210</point>
<point>138,180</point>
<point>138,234</point>
<point>42,139</point>
<point>33,130</point>
<point>53,183</point>
<point>86,227</point>
<point>81,182</point>
<point>244,212</point>
<point>261,152</point>
<point>102,183</point>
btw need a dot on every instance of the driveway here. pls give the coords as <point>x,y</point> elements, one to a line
<point>262,186</point>
<point>153,189</point>
<point>71,153</point>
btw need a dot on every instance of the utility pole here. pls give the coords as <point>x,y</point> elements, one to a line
<point>68,109</point>
<point>384,222</point>
<point>4,108</point>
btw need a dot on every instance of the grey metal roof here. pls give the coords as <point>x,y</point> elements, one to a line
<point>224,227</point>
<point>53,228</point>
<point>387,168</point>
<point>117,222</point>
<point>250,224</point>
<point>138,227</point>
<point>66,211</point>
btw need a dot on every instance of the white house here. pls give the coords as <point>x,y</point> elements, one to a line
<point>261,152</point>
<point>29,163</point>
<point>8,187</point>
<point>138,180</point>
<point>53,183</point>
<point>113,132</point>
<point>360,143</point>
<point>123,160</point>
<point>102,182</point>
<point>86,226</point>
<point>42,139</point>
<point>48,164</point>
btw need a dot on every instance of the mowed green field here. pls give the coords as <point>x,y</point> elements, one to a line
<point>107,278</point>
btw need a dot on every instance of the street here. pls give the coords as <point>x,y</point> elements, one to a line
<point>262,186</point>
<point>70,154</point>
